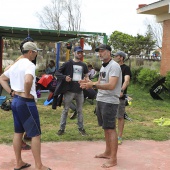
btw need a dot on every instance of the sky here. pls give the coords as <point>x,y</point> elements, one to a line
<point>104,16</point>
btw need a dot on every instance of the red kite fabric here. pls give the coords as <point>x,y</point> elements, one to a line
<point>45,80</point>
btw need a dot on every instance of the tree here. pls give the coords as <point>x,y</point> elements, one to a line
<point>121,41</point>
<point>94,41</point>
<point>73,10</point>
<point>145,43</point>
<point>61,15</point>
<point>132,45</point>
<point>14,43</point>
<point>156,30</point>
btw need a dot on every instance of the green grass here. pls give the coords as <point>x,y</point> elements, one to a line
<point>143,111</point>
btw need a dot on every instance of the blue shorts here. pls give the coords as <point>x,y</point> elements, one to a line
<point>26,117</point>
<point>106,114</point>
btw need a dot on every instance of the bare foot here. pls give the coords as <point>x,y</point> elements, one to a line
<point>109,164</point>
<point>103,155</point>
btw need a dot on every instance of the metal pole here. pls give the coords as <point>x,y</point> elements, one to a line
<point>58,55</point>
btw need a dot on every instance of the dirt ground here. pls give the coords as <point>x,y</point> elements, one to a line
<point>132,155</point>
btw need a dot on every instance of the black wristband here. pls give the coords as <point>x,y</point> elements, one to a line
<point>11,93</point>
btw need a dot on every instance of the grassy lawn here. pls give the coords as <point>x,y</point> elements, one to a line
<point>143,111</point>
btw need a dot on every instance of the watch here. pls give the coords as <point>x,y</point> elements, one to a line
<point>122,90</point>
<point>11,93</point>
<point>94,86</point>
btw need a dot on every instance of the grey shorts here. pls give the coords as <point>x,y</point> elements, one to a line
<point>121,109</point>
<point>106,114</point>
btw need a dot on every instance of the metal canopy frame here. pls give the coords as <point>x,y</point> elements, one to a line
<point>43,34</point>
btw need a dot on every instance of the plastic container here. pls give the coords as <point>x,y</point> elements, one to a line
<point>38,94</point>
<point>2,99</point>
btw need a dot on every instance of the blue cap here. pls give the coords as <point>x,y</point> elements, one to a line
<point>78,49</point>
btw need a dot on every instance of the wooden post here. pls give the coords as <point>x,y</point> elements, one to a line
<point>67,54</point>
<point>82,46</point>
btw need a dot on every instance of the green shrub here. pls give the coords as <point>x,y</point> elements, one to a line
<point>167,82</point>
<point>156,65</point>
<point>148,77</point>
<point>135,73</point>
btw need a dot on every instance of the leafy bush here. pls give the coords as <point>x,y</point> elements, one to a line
<point>148,77</point>
<point>135,73</point>
<point>167,82</point>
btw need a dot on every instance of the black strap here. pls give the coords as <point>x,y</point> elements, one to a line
<point>11,92</point>
<point>105,64</point>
